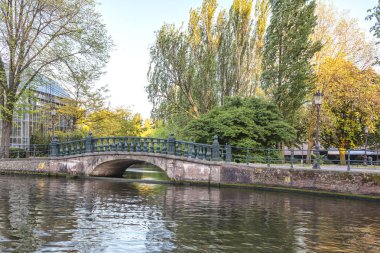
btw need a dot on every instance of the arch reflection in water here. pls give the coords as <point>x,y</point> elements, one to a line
<point>145,171</point>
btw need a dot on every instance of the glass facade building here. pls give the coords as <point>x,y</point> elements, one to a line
<point>35,113</point>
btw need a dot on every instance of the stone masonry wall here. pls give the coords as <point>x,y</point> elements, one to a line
<point>25,165</point>
<point>330,181</point>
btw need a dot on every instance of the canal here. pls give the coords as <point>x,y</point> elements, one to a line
<point>42,214</point>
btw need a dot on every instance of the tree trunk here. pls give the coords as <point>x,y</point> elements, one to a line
<point>342,156</point>
<point>5,137</point>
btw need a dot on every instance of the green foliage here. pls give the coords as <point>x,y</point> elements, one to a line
<point>39,37</point>
<point>287,73</point>
<point>114,122</point>
<point>37,137</point>
<point>77,134</point>
<point>374,138</point>
<point>17,152</point>
<point>245,122</point>
<point>375,14</point>
<point>163,130</point>
<point>193,70</point>
<point>351,100</point>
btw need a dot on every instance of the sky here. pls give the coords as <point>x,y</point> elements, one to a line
<point>132,25</point>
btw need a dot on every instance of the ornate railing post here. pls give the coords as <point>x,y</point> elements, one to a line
<point>88,143</point>
<point>145,145</point>
<point>179,149</point>
<point>54,147</point>
<point>158,146</point>
<point>171,142</point>
<point>151,147</point>
<point>228,153</point>
<point>215,149</point>
<point>164,149</point>
<point>192,150</point>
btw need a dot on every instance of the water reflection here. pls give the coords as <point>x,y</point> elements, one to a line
<point>145,172</point>
<point>111,215</point>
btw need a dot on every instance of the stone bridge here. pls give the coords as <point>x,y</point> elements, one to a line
<point>114,164</point>
<point>111,156</point>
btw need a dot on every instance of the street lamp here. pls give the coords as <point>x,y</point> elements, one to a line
<point>53,117</point>
<point>365,161</point>
<point>318,97</point>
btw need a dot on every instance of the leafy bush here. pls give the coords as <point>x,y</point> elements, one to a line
<point>17,153</point>
<point>246,122</point>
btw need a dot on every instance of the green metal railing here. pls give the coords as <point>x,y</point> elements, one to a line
<point>289,158</point>
<point>169,146</point>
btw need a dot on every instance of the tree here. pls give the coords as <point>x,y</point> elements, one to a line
<point>248,122</point>
<point>193,70</point>
<point>35,36</point>
<point>341,38</point>
<point>261,14</point>
<point>287,73</point>
<point>170,79</point>
<point>375,14</point>
<point>351,100</point>
<point>117,122</point>
<point>84,97</point>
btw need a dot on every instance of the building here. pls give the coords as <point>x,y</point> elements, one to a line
<point>36,112</point>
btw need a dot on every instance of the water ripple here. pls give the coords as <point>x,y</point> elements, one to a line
<point>60,215</point>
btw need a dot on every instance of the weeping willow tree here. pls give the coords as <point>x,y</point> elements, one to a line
<point>194,69</point>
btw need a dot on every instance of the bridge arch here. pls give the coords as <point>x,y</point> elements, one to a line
<point>117,167</point>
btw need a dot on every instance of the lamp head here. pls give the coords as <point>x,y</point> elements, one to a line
<point>318,97</point>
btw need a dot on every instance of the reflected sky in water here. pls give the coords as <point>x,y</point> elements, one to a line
<point>39,214</point>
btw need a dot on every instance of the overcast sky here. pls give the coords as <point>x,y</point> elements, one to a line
<point>132,24</point>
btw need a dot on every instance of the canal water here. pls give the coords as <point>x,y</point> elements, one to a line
<point>41,214</point>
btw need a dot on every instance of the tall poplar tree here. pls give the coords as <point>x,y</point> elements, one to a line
<point>287,73</point>
<point>261,15</point>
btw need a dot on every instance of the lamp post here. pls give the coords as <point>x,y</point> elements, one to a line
<point>53,117</point>
<point>365,161</point>
<point>318,102</point>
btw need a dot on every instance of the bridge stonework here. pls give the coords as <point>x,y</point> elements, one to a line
<point>114,164</point>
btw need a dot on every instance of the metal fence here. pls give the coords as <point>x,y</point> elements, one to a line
<point>351,158</point>
<point>24,151</point>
